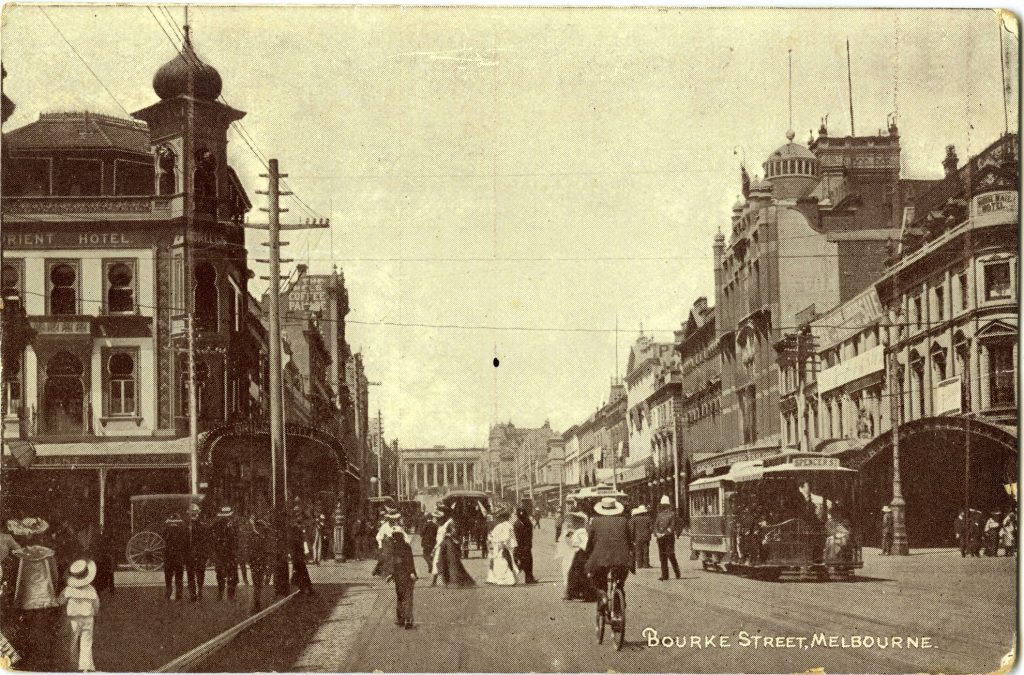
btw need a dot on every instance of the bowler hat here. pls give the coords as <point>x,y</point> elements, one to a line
<point>225,512</point>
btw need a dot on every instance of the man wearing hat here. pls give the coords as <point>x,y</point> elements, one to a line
<point>887,530</point>
<point>297,540</point>
<point>609,544</point>
<point>523,529</point>
<point>428,538</point>
<point>665,532</point>
<point>225,551</point>
<point>176,552</point>
<point>195,566</point>
<point>82,606</point>
<point>642,536</point>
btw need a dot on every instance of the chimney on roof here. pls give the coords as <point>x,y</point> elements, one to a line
<point>951,161</point>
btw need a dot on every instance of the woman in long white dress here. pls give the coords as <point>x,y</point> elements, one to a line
<point>501,544</point>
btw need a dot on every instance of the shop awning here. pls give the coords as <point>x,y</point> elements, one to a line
<point>22,451</point>
<point>170,452</point>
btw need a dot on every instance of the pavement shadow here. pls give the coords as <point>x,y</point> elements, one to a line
<point>275,643</point>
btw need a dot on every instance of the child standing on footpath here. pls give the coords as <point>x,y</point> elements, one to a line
<point>82,606</point>
<point>402,569</point>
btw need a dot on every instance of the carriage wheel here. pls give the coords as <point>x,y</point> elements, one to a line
<point>145,551</point>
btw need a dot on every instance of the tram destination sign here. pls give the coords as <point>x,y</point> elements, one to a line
<point>816,462</point>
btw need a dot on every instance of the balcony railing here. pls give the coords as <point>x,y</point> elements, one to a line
<point>69,206</point>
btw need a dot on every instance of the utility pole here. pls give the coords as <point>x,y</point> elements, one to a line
<point>380,454</point>
<point>273,226</point>
<point>193,407</point>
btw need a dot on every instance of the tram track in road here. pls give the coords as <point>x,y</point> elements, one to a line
<point>817,618</point>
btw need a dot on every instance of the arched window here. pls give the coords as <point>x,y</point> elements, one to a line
<point>63,289</point>
<point>121,370</point>
<point>63,395</point>
<point>938,364</point>
<point>11,284</point>
<point>120,288</point>
<point>167,167</point>
<point>204,183</point>
<point>205,297</point>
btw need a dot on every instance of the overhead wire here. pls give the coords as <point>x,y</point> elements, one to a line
<point>488,327</point>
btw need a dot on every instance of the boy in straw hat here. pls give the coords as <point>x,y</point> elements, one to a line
<point>82,606</point>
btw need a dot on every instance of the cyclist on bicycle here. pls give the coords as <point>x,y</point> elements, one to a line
<point>609,545</point>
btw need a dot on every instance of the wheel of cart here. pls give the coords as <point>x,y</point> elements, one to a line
<point>145,550</point>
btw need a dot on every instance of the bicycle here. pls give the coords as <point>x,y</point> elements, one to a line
<point>612,612</point>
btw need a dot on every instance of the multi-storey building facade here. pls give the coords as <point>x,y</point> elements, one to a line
<point>700,413</point>
<point>814,231</point>
<point>115,231</point>
<point>936,337</point>
<point>653,398</point>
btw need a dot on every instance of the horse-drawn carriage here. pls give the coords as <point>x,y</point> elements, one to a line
<point>145,550</point>
<point>469,508</point>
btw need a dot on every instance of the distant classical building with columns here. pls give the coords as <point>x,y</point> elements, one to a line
<point>439,469</point>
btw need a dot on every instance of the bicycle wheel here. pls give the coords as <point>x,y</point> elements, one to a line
<point>619,618</point>
<point>600,621</point>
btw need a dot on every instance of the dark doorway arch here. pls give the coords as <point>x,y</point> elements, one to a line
<point>236,464</point>
<point>946,463</point>
<point>64,395</point>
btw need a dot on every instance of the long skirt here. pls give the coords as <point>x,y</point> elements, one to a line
<point>450,565</point>
<point>501,572</point>
<point>578,586</point>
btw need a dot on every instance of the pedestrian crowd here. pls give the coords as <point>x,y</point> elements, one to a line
<point>254,550</point>
<point>977,535</point>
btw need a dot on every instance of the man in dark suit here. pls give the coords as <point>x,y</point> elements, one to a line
<point>176,553</point>
<point>224,533</point>
<point>400,568</point>
<point>428,539</point>
<point>609,545</point>
<point>196,564</point>
<point>523,529</point>
<point>642,536</point>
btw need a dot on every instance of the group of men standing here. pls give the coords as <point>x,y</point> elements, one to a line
<point>976,534</point>
<point>233,544</point>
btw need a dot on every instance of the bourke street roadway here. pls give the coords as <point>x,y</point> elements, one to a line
<point>959,611</point>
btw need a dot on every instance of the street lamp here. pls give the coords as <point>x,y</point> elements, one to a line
<point>900,545</point>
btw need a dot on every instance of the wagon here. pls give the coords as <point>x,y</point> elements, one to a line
<point>469,509</point>
<point>145,550</point>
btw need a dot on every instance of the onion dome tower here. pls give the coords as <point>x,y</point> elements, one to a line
<point>189,128</point>
<point>792,170</point>
<point>187,75</point>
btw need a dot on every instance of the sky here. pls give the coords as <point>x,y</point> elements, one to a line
<point>517,183</point>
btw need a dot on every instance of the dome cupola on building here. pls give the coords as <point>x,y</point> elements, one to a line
<point>187,75</point>
<point>792,170</point>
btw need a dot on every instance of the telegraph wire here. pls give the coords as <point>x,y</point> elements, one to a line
<point>485,327</point>
<point>84,62</point>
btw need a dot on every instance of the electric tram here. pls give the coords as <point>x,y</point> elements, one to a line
<point>791,512</point>
<point>583,499</point>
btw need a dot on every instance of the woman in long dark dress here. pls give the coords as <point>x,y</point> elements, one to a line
<point>448,556</point>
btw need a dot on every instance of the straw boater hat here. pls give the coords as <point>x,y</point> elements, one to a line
<point>437,513</point>
<point>640,509</point>
<point>886,509</point>
<point>225,512</point>
<point>81,573</point>
<point>609,506</point>
<point>391,514</point>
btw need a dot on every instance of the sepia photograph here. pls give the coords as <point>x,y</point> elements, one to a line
<point>480,339</point>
